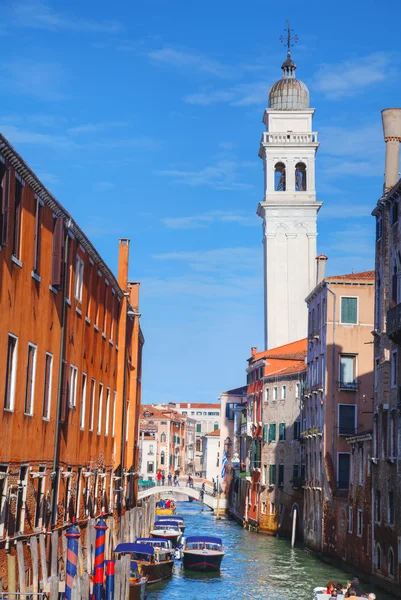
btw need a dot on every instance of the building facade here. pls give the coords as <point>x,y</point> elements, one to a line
<point>386,455</point>
<point>337,403</point>
<point>68,332</point>
<point>211,456</point>
<point>289,208</point>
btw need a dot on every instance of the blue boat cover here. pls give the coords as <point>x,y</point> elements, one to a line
<point>164,523</point>
<point>140,548</point>
<point>170,518</point>
<point>151,541</point>
<point>203,538</point>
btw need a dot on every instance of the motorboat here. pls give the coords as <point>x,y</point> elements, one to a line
<point>168,530</point>
<point>202,553</point>
<point>319,593</point>
<point>156,564</point>
<point>137,583</point>
<point>179,520</point>
<point>166,506</point>
<point>157,544</point>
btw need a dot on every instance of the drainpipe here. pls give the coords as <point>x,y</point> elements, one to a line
<point>53,511</point>
<point>333,365</point>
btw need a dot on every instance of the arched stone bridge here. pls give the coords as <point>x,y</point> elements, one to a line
<point>194,492</point>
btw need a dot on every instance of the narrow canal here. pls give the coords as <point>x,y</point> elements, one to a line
<point>254,567</point>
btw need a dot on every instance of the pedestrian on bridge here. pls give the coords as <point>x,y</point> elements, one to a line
<point>159,478</point>
<point>163,479</point>
<point>169,479</point>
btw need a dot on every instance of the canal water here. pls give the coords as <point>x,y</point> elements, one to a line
<point>255,566</point>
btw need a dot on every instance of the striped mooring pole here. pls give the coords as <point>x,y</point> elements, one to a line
<point>109,580</point>
<point>98,584</point>
<point>100,536</point>
<point>72,534</point>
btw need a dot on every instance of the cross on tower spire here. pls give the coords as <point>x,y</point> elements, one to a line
<point>290,39</point>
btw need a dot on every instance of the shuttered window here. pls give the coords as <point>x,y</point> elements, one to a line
<point>57,253</point>
<point>281,475</point>
<point>265,433</point>
<point>349,309</point>
<point>30,380</point>
<point>17,219</point>
<point>272,474</point>
<point>38,231</point>
<point>281,432</point>
<point>4,203</point>
<point>11,370</point>
<point>64,392</point>
<point>297,430</point>
<point>272,432</point>
<point>48,385</point>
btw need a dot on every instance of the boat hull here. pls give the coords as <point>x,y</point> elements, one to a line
<point>157,571</point>
<point>174,538</point>
<point>165,511</point>
<point>137,589</point>
<point>202,561</point>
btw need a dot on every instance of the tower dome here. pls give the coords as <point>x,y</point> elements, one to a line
<point>289,93</point>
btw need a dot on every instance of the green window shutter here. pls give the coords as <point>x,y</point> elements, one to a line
<point>272,432</point>
<point>265,433</point>
<point>198,428</point>
<point>215,426</point>
<point>272,474</point>
<point>349,310</point>
<point>281,432</point>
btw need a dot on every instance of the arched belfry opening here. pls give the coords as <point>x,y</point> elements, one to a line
<point>300,177</point>
<point>279,177</point>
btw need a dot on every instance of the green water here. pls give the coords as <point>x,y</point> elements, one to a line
<point>254,567</point>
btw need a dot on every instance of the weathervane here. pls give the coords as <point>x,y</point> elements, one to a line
<point>289,40</point>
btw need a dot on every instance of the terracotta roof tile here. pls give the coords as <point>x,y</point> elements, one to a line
<point>294,350</point>
<point>362,276</point>
<point>216,432</point>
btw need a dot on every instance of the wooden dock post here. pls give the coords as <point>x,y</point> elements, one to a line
<point>54,555</point>
<point>294,526</point>
<point>54,587</point>
<point>43,559</point>
<point>35,564</point>
<point>21,568</point>
<point>11,571</point>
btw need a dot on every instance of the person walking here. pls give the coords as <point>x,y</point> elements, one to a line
<point>169,479</point>
<point>159,478</point>
<point>163,479</point>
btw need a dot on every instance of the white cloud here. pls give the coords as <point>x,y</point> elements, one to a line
<point>22,136</point>
<point>226,260</point>
<point>185,59</point>
<point>352,77</point>
<point>39,15</point>
<point>96,127</point>
<point>223,175</point>
<point>243,94</point>
<point>206,219</point>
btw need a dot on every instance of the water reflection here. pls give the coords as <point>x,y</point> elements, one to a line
<point>255,567</point>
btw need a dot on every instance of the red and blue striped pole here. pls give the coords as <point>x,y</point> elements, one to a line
<point>110,580</point>
<point>72,534</point>
<point>98,584</point>
<point>100,536</point>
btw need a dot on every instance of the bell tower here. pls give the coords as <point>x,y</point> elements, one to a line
<point>289,208</point>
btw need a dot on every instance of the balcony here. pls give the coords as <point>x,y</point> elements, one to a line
<point>246,429</point>
<point>394,323</point>
<point>289,138</point>
<point>348,386</point>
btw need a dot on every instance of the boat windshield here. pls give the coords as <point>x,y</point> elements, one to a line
<point>203,546</point>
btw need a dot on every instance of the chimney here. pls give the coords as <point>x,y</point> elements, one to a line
<point>254,350</point>
<point>392,136</point>
<point>123,263</point>
<point>320,267</point>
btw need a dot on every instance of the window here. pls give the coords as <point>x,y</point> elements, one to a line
<point>4,202</point>
<point>297,430</point>
<point>64,391</point>
<point>348,372</point>
<point>378,557</point>
<point>17,219</point>
<point>106,426</point>
<point>263,509</point>
<point>113,423</point>
<point>79,278</point>
<point>265,433</point>
<point>346,419</point>
<point>163,438</point>
<point>377,506</point>
<point>394,369</point>
<point>350,519</point>
<point>272,508</point>
<point>272,432</point>
<point>72,390</point>
<point>100,410</point>
<point>267,395</point>
<point>343,470</point>
<point>57,251</point>
<point>281,432</point>
<point>9,394</point>
<point>38,232</point>
<point>379,228</point>
<point>359,521</point>
<point>92,406</point>
<point>198,428</point>
<point>361,464</point>
<point>3,491</point>
<point>47,394</point>
<point>229,411</point>
<point>162,457</point>
<point>281,475</point>
<point>349,311</point>
<point>283,392</point>
<point>78,492</point>
<point>30,380</point>
<point>279,177</point>
<point>67,494</point>
<point>106,295</point>
<point>300,177</point>
<point>390,508</point>
<point>150,466</point>
<point>21,500</point>
<point>275,393</point>
<point>394,212</point>
<point>83,402</point>
<point>297,390</point>
<point>390,565</point>
<point>272,474</point>
<point>215,426</point>
<point>394,287</point>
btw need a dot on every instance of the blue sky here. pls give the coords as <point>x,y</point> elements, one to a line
<point>144,119</point>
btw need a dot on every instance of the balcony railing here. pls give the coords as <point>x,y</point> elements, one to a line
<point>289,138</point>
<point>348,385</point>
<point>394,323</point>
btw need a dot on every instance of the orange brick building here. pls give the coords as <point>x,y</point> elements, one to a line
<point>70,377</point>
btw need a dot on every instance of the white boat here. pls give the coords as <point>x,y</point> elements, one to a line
<point>168,530</point>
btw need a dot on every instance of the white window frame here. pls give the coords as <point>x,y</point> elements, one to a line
<point>47,416</point>
<point>83,401</point>
<point>24,496</point>
<point>275,393</point>
<point>272,507</point>
<point>357,310</point>
<point>29,413</point>
<point>355,417</point>
<point>3,498</point>
<point>267,395</point>
<point>113,423</point>
<point>283,392</point>
<point>79,278</point>
<point>297,390</point>
<point>11,399</point>
<point>106,426</point>
<point>347,355</point>
<point>93,403</point>
<point>100,409</point>
<point>72,390</point>
<point>359,521</point>
<point>393,369</point>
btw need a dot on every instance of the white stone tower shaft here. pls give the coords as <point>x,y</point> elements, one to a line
<point>289,208</point>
